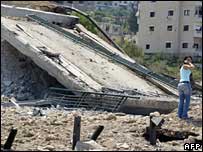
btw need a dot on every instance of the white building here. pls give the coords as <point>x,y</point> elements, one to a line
<point>170,27</point>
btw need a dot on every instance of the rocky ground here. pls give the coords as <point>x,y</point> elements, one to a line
<point>53,131</point>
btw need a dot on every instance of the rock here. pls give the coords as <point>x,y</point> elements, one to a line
<point>88,146</point>
<point>7,83</point>
<point>49,147</point>
<point>29,134</point>
<point>36,111</point>
<point>120,114</point>
<point>110,117</point>
<point>130,121</point>
<point>51,137</point>
<point>155,114</point>
<point>125,145</point>
<point>186,141</point>
<point>133,129</point>
<point>39,148</point>
<point>191,139</point>
<point>31,98</point>
<point>175,143</point>
<point>24,96</point>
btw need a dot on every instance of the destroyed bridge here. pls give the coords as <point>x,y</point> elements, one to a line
<point>95,74</point>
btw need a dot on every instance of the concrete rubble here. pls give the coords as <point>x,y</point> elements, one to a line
<point>53,131</point>
<point>20,77</point>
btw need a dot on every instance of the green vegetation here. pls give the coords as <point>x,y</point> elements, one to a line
<point>169,66</point>
<point>130,48</point>
<point>86,23</point>
<point>132,22</point>
<point>159,62</point>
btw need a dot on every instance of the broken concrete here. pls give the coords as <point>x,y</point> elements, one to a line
<point>20,77</point>
<point>13,11</point>
<point>121,132</point>
<point>90,145</point>
<point>100,73</point>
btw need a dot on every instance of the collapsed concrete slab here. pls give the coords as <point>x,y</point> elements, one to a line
<point>76,66</point>
<point>81,67</point>
<point>61,19</point>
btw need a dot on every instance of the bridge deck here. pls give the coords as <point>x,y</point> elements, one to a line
<point>84,64</point>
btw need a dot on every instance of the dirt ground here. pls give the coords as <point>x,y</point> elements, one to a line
<point>121,131</point>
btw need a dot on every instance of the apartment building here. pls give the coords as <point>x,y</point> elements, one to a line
<point>173,27</point>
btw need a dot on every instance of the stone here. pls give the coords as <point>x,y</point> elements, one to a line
<point>51,137</point>
<point>110,117</point>
<point>31,98</point>
<point>124,145</point>
<point>155,114</point>
<point>191,139</point>
<point>88,146</point>
<point>23,96</point>
<point>7,83</point>
<point>133,129</point>
<point>120,114</point>
<point>49,147</point>
<point>36,112</point>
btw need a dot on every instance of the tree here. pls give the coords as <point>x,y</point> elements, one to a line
<point>132,21</point>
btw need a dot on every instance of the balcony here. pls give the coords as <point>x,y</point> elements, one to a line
<point>197,52</point>
<point>197,31</point>
<point>198,18</point>
<point>198,34</point>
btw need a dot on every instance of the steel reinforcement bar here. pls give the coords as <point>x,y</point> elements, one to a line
<point>88,100</point>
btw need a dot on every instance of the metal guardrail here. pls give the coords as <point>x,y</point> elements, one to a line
<point>143,71</point>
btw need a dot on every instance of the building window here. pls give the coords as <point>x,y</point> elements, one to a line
<point>198,11</point>
<point>185,45</point>
<point>198,28</point>
<point>169,28</point>
<point>107,28</point>
<point>168,45</point>
<point>151,28</point>
<point>196,46</point>
<point>170,13</point>
<point>147,46</point>
<point>186,12</point>
<point>186,28</point>
<point>152,14</point>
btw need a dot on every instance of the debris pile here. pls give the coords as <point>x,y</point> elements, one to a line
<point>20,77</point>
<point>53,130</point>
